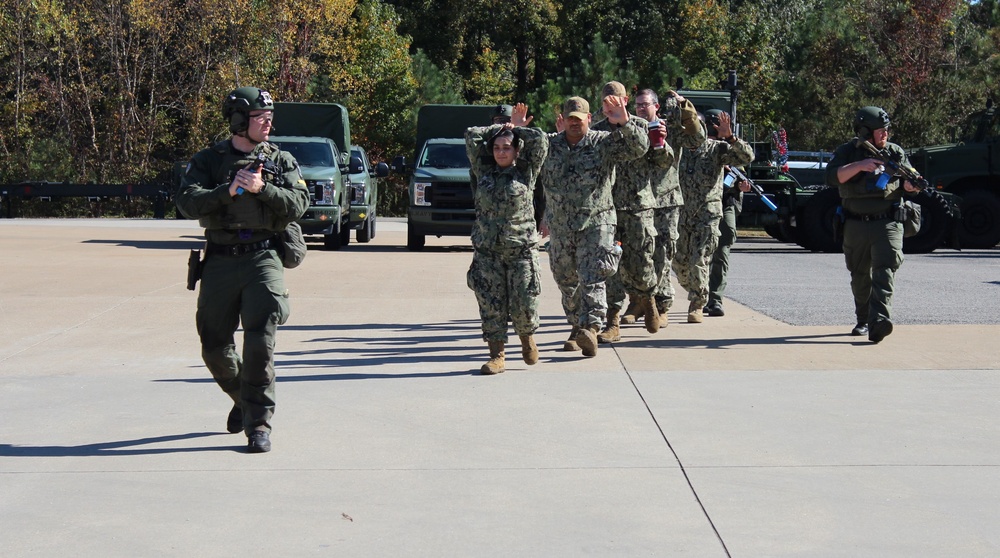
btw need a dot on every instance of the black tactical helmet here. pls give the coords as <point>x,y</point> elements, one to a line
<point>238,104</point>
<point>869,119</point>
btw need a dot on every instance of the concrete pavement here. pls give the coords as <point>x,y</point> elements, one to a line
<point>743,436</point>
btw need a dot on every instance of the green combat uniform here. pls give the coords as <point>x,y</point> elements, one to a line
<point>243,278</point>
<point>732,206</point>
<point>684,132</point>
<point>701,183</point>
<point>505,273</point>
<point>873,239</point>
<point>580,212</point>
<point>634,203</point>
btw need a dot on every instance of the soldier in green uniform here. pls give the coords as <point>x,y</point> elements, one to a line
<point>504,273</point>
<point>243,190</point>
<point>732,205</point>
<point>701,183</point>
<point>634,201</point>
<point>577,178</point>
<point>873,238</point>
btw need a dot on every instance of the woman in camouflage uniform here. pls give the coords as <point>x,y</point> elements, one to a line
<point>504,272</point>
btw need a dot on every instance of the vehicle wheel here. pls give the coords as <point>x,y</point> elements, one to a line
<point>980,220</point>
<point>934,223</point>
<point>332,241</point>
<point>367,230</point>
<point>345,235</point>
<point>775,231</point>
<point>414,241</point>
<point>817,225</point>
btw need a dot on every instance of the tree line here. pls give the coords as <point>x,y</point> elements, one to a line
<point>118,90</point>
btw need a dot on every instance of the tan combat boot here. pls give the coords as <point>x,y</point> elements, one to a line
<point>633,311</point>
<point>529,351</point>
<point>613,332</point>
<point>570,344</point>
<point>587,340</point>
<point>695,315</point>
<point>662,308</point>
<point>650,314</point>
<point>495,364</point>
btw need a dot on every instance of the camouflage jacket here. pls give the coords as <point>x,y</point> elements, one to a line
<point>504,197</point>
<point>701,175</point>
<point>858,195</point>
<point>204,194</point>
<point>684,131</point>
<point>633,190</point>
<point>578,180</point>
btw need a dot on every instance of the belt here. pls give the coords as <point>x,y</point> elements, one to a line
<point>874,217</point>
<point>238,249</point>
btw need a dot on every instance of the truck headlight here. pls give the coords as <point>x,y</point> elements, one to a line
<point>359,191</point>
<point>421,193</point>
<point>324,192</point>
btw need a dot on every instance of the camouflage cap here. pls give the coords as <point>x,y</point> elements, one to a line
<point>614,88</point>
<point>577,107</point>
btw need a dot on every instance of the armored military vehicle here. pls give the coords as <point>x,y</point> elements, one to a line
<point>318,135</point>
<point>441,201</point>
<point>970,169</point>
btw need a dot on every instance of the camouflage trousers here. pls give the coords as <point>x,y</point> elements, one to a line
<point>873,251</point>
<point>247,289</point>
<point>637,272</point>
<point>720,259</point>
<point>665,220</point>
<point>575,258</point>
<point>699,235</point>
<point>507,283</point>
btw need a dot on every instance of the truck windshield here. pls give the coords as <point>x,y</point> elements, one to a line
<point>309,154</point>
<point>444,156</point>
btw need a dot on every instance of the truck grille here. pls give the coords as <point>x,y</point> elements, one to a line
<point>451,196</point>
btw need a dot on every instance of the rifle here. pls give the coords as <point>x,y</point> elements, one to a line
<point>262,163</point>
<point>753,186</point>
<point>895,164</point>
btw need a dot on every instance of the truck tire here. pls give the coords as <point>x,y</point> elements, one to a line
<point>817,223</point>
<point>345,234</point>
<point>934,224</point>
<point>776,232</point>
<point>980,219</point>
<point>367,230</point>
<point>331,241</point>
<point>414,241</point>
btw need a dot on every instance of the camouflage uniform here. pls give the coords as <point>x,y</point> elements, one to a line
<point>683,132</point>
<point>701,182</point>
<point>243,277</point>
<point>873,240</point>
<point>504,273</point>
<point>634,202</point>
<point>580,212</point>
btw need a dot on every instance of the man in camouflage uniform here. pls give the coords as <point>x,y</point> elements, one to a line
<point>243,203</point>
<point>577,178</point>
<point>504,273</point>
<point>683,133</point>
<point>873,236</point>
<point>633,197</point>
<point>701,182</point>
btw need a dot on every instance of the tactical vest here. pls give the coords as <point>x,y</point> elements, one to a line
<point>246,211</point>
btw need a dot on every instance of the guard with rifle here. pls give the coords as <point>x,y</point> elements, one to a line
<point>244,191</point>
<point>871,191</point>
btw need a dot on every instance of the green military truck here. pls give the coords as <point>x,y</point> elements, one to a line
<point>805,212</point>
<point>364,192</point>
<point>969,168</point>
<point>318,135</point>
<point>440,191</point>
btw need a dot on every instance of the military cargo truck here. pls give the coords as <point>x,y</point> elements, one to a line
<point>970,169</point>
<point>318,135</point>
<point>440,189</point>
